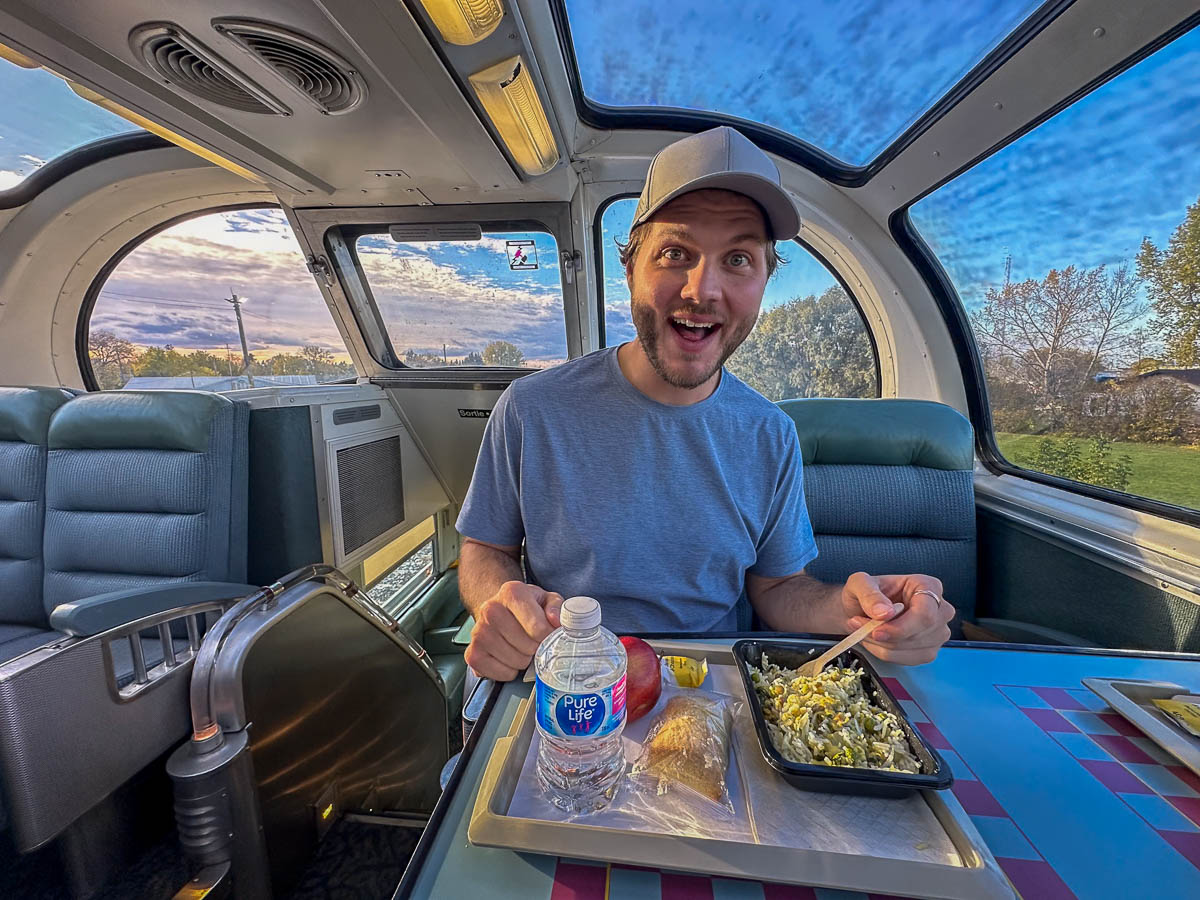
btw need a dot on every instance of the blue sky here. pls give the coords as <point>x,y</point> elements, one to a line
<point>848,76</point>
<point>42,118</point>
<point>845,75</point>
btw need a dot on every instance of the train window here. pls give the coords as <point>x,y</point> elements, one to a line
<point>856,73</point>
<point>396,573</point>
<point>810,340</point>
<point>1074,251</point>
<point>43,118</point>
<point>496,301</point>
<point>219,302</point>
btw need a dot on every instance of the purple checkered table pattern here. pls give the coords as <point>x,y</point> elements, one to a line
<point>1025,867</point>
<point>1150,781</point>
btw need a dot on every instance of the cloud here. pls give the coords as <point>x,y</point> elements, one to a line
<point>172,288</point>
<point>465,300</point>
<point>10,179</point>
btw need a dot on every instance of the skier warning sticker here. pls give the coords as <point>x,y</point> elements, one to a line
<point>521,254</point>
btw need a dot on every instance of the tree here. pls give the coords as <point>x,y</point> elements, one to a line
<point>808,347</point>
<point>1043,342</point>
<point>502,353</point>
<point>1173,285</point>
<point>1158,409</point>
<point>112,359</point>
<point>417,360</point>
<point>319,359</point>
<point>1092,464</point>
<point>283,364</point>
<point>471,359</point>
<point>169,361</point>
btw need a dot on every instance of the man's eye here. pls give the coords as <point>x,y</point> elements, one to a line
<point>739,259</point>
<point>673,253</point>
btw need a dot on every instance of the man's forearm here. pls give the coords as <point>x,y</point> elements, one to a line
<point>482,569</point>
<point>798,603</point>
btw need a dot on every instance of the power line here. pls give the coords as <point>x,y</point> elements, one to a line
<point>154,301</point>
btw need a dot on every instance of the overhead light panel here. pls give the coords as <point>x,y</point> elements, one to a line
<point>511,102</point>
<point>464,22</point>
<point>154,128</point>
<point>17,58</point>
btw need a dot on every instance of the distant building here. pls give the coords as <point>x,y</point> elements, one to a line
<point>215,383</point>
<point>1189,376</point>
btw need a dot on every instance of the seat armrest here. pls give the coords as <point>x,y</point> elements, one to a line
<point>462,636</point>
<point>92,615</point>
<point>440,641</point>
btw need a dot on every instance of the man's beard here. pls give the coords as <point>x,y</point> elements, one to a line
<point>644,320</point>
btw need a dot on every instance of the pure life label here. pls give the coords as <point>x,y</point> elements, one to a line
<point>596,714</point>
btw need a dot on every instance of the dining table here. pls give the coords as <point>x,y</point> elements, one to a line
<point>1072,800</point>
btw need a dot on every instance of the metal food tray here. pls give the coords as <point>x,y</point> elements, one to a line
<point>974,876</point>
<point>1131,698</point>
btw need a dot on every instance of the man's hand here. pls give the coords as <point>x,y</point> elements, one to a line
<point>509,626</point>
<point>915,635</point>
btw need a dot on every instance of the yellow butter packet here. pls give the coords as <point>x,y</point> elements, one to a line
<point>1186,714</point>
<point>688,672</point>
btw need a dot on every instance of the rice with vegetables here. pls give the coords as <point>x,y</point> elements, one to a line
<point>829,720</point>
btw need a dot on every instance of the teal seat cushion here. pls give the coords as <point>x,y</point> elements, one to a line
<point>888,432</point>
<point>25,414</point>
<point>16,640</point>
<point>144,488</point>
<point>889,487</point>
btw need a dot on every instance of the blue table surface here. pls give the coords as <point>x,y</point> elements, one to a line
<point>1103,839</point>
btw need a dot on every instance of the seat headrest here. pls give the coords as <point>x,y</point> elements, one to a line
<point>882,433</point>
<point>25,412</point>
<point>142,420</point>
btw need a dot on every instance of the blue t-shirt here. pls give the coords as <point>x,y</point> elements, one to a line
<point>657,511</point>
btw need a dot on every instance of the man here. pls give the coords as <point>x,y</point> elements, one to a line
<point>650,478</point>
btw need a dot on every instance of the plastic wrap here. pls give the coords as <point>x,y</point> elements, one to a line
<point>688,746</point>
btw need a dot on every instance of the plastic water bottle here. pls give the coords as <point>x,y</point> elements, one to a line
<point>580,703</point>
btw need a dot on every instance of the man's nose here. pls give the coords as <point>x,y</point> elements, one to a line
<point>703,282</point>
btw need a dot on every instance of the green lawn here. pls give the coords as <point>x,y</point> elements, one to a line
<point>1160,471</point>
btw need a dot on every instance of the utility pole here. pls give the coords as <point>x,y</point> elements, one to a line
<point>237,308</point>
<point>229,359</point>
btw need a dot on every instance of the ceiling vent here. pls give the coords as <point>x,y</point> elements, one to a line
<point>321,76</point>
<point>182,61</point>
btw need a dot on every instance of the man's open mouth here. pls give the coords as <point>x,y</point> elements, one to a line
<point>694,333</point>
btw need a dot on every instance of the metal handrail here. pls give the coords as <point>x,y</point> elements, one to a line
<point>206,731</point>
<point>143,675</point>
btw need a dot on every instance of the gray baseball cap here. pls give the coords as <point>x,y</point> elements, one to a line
<point>718,158</point>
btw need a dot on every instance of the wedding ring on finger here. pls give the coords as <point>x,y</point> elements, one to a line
<point>931,594</point>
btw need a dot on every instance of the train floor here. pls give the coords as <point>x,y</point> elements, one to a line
<point>355,861</point>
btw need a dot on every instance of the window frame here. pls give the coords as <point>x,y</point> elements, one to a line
<point>79,158</point>
<point>598,252</point>
<point>340,245</point>
<point>83,325</point>
<point>904,231</point>
<point>780,143</point>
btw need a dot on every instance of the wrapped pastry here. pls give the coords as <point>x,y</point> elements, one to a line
<point>688,744</point>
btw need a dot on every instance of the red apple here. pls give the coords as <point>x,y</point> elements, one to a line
<point>643,681</point>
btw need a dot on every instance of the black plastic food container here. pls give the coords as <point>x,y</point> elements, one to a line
<point>934,774</point>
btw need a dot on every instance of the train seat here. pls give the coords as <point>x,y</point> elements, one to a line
<point>24,428</point>
<point>889,485</point>
<point>424,622</point>
<point>143,543</point>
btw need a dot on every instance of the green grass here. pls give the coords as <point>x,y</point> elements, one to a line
<point>1166,472</point>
